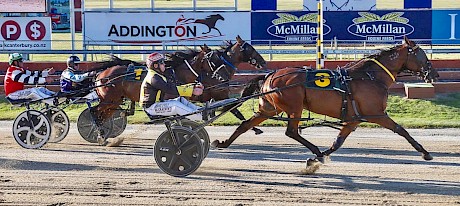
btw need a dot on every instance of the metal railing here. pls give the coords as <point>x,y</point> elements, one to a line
<point>332,49</point>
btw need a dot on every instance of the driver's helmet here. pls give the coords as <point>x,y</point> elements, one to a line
<point>155,58</point>
<point>14,57</point>
<point>72,61</point>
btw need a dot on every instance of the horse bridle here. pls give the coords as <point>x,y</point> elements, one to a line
<point>416,50</point>
<point>224,63</point>
<point>243,48</point>
<point>250,60</point>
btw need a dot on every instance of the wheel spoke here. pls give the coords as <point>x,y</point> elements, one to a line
<point>23,128</point>
<point>186,141</point>
<point>189,147</point>
<point>40,124</point>
<point>173,161</point>
<point>39,135</point>
<point>91,131</point>
<point>186,160</point>
<point>28,140</point>
<point>59,125</point>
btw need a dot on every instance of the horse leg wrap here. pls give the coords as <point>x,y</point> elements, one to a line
<point>335,146</point>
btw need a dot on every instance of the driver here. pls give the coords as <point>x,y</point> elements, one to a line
<point>156,92</point>
<point>73,80</point>
<point>17,76</point>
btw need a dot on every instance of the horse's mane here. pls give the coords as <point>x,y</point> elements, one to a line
<point>362,63</point>
<point>177,58</point>
<point>113,61</point>
<point>225,46</point>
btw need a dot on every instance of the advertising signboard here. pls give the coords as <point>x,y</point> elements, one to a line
<point>446,27</point>
<point>286,27</point>
<point>374,26</point>
<point>25,33</point>
<point>182,28</point>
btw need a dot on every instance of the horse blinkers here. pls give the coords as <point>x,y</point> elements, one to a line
<point>426,71</point>
<point>244,48</point>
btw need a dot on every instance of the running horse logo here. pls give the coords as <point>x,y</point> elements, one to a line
<point>210,22</point>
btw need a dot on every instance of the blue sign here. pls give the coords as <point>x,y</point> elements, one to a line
<point>417,4</point>
<point>379,26</point>
<point>446,27</point>
<point>285,27</point>
<point>374,26</point>
<point>263,5</point>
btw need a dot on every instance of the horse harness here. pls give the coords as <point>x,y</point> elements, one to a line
<point>338,80</point>
<point>221,63</point>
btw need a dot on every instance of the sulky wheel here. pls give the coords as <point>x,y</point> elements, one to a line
<point>59,123</point>
<point>88,129</point>
<point>31,129</point>
<point>202,133</point>
<point>120,121</point>
<point>181,157</point>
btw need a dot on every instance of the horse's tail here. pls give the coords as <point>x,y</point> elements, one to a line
<point>252,86</point>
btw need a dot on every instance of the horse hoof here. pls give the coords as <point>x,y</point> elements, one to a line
<point>312,162</point>
<point>312,166</point>
<point>258,131</point>
<point>427,157</point>
<point>215,143</point>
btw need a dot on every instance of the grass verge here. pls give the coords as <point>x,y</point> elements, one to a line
<point>442,112</point>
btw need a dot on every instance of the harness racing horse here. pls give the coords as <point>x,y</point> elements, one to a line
<point>365,100</point>
<point>207,67</point>
<point>123,84</point>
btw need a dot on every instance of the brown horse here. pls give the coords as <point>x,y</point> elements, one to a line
<point>121,83</point>
<point>368,81</point>
<point>206,67</point>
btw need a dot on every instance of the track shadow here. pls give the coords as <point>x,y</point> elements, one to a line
<point>52,166</point>
<point>300,154</point>
<point>124,149</point>
<point>349,183</point>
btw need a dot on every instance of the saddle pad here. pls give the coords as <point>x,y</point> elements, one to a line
<point>135,73</point>
<point>322,79</point>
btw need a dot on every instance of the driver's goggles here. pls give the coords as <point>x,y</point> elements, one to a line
<point>161,61</point>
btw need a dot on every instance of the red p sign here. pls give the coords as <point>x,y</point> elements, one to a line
<point>10,30</point>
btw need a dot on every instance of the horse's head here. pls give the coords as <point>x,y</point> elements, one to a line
<point>417,62</point>
<point>218,16</point>
<point>244,52</point>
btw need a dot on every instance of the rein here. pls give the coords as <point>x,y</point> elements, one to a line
<point>190,68</point>
<point>228,63</point>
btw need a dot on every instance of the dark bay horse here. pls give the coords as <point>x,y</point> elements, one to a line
<point>365,101</point>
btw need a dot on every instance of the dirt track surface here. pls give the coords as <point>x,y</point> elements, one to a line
<point>374,167</point>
